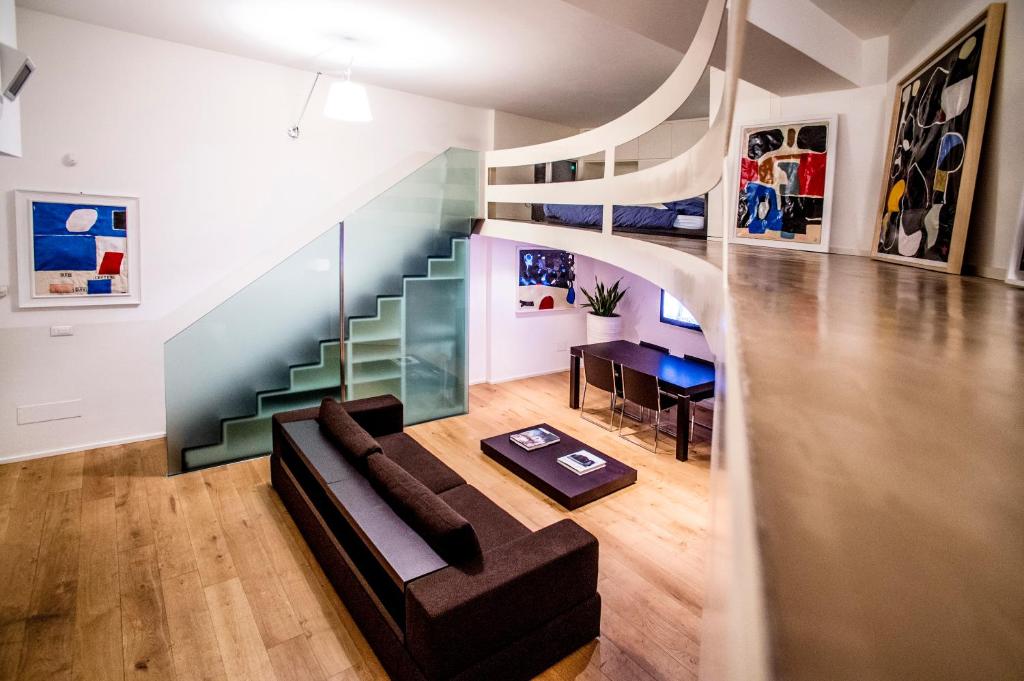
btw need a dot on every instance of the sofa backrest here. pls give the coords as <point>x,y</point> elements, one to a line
<point>397,549</point>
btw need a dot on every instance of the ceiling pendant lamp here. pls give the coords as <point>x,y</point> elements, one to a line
<point>347,101</point>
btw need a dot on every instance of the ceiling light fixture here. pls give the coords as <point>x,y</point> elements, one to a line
<point>347,101</point>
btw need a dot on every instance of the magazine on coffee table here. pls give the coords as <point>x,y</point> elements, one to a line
<point>582,462</point>
<point>534,438</point>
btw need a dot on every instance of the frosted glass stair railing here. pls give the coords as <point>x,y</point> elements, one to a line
<point>414,347</point>
<point>406,260</point>
<point>272,346</point>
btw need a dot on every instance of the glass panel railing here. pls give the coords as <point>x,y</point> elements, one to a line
<point>406,256</point>
<point>271,347</point>
<point>275,345</point>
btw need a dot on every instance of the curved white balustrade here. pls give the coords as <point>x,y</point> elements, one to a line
<point>662,103</point>
<point>735,639</point>
<point>692,173</point>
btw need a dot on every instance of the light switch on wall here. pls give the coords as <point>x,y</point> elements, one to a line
<point>62,331</point>
<point>3,291</point>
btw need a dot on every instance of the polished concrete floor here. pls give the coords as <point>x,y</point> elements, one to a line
<point>885,416</point>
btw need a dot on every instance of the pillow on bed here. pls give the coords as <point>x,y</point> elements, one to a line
<point>693,206</point>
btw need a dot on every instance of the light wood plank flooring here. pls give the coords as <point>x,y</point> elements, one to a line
<point>110,570</point>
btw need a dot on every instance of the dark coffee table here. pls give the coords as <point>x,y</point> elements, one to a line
<point>541,469</point>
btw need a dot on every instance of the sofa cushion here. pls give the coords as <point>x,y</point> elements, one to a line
<point>493,525</point>
<point>421,464</point>
<point>445,530</point>
<point>344,433</point>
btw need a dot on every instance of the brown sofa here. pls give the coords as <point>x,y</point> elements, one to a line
<point>443,583</point>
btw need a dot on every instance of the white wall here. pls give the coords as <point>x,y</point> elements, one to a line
<point>925,27</point>
<point>521,345</point>
<point>640,310</point>
<point>200,137</point>
<point>506,345</point>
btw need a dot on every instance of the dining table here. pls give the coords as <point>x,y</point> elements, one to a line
<point>688,378</point>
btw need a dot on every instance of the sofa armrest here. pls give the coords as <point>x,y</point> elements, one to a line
<point>460,615</point>
<point>382,415</point>
<point>379,416</point>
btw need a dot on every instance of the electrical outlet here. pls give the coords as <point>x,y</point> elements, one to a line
<point>3,291</point>
<point>62,331</point>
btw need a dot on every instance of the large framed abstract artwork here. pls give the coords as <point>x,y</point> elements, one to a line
<point>547,280</point>
<point>934,150</point>
<point>77,250</point>
<point>785,184</point>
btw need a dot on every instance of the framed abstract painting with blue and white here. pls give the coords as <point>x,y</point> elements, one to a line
<point>785,184</point>
<point>935,149</point>
<point>77,250</point>
<point>547,280</point>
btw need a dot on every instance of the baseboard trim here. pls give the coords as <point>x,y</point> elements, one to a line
<point>521,377</point>
<point>842,250</point>
<point>986,272</point>
<point>42,454</point>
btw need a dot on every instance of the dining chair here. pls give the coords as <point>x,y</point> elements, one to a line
<point>705,402</point>
<point>600,373</point>
<point>653,346</point>
<point>644,390</point>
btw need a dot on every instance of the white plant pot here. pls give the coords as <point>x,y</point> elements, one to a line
<point>603,329</point>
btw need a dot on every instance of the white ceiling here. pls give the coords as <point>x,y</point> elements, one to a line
<point>576,62</point>
<point>540,58</point>
<point>866,18</point>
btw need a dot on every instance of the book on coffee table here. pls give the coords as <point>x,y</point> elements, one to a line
<point>534,438</point>
<point>582,462</point>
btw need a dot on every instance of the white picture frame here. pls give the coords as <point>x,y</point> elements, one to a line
<point>736,231</point>
<point>532,298</point>
<point>1015,268</point>
<point>116,259</point>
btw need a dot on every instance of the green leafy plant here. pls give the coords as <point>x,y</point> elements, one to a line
<point>604,299</point>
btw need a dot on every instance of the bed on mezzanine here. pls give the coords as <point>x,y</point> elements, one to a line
<point>683,218</point>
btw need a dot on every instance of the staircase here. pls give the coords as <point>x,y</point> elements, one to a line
<point>407,348</point>
<point>379,363</point>
<point>228,372</point>
<point>247,436</point>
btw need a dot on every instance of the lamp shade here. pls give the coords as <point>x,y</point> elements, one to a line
<point>347,101</point>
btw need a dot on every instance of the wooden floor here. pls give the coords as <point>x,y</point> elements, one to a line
<point>110,570</point>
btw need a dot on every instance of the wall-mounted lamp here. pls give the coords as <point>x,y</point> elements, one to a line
<point>346,101</point>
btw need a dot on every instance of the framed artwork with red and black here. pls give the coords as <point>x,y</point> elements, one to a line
<point>785,184</point>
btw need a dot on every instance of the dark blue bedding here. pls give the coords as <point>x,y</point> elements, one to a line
<point>625,216</point>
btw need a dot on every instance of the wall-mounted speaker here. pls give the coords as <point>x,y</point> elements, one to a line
<point>15,70</point>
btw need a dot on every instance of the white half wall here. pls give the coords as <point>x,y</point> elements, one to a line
<point>200,137</point>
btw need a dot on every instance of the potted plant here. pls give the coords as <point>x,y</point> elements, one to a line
<point>602,323</point>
